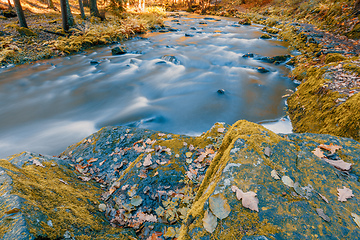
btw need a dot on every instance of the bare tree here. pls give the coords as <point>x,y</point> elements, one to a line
<point>94,11</point>
<point>50,4</point>
<point>64,15</point>
<point>20,14</point>
<point>69,14</point>
<point>81,6</point>
<point>10,7</point>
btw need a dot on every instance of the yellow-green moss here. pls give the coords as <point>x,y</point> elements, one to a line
<point>71,205</point>
<point>334,57</point>
<point>314,109</point>
<point>26,32</point>
<point>253,133</point>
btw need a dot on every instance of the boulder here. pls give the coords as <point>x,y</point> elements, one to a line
<point>118,51</point>
<point>241,181</point>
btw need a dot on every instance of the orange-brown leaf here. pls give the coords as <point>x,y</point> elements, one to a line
<point>318,152</point>
<point>332,148</point>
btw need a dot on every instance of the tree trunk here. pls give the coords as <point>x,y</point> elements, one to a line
<point>86,3</point>
<point>20,14</point>
<point>82,9</point>
<point>94,12</point>
<point>10,7</point>
<point>50,4</point>
<point>69,14</point>
<point>64,15</point>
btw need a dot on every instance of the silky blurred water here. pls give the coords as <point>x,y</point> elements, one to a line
<point>166,82</point>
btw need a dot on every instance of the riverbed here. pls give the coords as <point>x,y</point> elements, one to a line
<point>181,80</point>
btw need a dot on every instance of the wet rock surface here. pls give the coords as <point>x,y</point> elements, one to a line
<point>241,181</point>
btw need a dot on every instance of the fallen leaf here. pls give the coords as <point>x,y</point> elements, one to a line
<point>138,149</point>
<point>91,160</point>
<point>63,181</point>
<point>221,130</point>
<point>147,161</point>
<point>161,134</point>
<point>318,152</point>
<point>275,175</point>
<point>287,181</point>
<point>155,236</point>
<point>85,179</point>
<point>209,221</point>
<point>101,163</point>
<point>323,198</point>
<point>339,164</point>
<point>356,218</point>
<point>136,201</point>
<point>332,148</point>
<point>143,217</point>
<point>170,232</point>
<point>219,206</point>
<point>249,199</point>
<point>142,175</point>
<point>188,154</point>
<point>344,194</point>
<point>37,163</point>
<point>321,213</point>
<point>267,152</point>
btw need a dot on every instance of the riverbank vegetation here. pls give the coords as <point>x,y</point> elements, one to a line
<point>45,37</point>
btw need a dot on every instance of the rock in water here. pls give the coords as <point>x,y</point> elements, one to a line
<point>118,50</point>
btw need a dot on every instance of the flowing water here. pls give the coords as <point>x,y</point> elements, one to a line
<point>167,82</point>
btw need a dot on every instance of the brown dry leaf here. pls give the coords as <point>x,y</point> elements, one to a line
<point>249,199</point>
<point>332,148</point>
<point>339,164</point>
<point>37,163</point>
<point>138,149</point>
<point>142,175</point>
<point>318,152</point>
<point>344,194</point>
<point>221,130</point>
<point>91,160</point>
<point>161,134</point>
<point>321,213</point>
<point>275,175</point>
<point>112,190</point>
<point>63,181</point>
<point>209,221</point>
<point>85,179</point>
<point>323,198</point>
<point>155,236</point>
<point>143,217</point>
<point>100,164</point>
<point>219,206</point>
<point>356,218</point>
<point>147,161</point>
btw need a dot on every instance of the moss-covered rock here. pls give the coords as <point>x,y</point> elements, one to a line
<point>284,212</point>
<point>26,32</point>
<point>334,57</point>
<point>41,196</point>
<point>318,108</point>
<point>265,36</point>
<point>150,184</point>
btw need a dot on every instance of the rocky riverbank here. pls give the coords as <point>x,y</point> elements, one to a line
<point>241,181</point>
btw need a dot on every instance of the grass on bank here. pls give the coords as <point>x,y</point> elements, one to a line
<point>45,37</point>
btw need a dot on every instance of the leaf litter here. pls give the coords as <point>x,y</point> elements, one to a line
<point>249,199</point>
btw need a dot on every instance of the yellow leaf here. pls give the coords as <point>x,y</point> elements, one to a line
<point>170,232</point>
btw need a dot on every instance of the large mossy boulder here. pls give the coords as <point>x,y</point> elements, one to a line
<point>327,101</point>
<point>131,183</point>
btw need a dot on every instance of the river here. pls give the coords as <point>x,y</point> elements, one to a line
<point>168,81</point>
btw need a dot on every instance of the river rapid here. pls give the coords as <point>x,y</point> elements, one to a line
<point>168,81</point>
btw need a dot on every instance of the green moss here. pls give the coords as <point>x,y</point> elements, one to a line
<point>253,133</point>
<point>265,36</point>
<point>314,109</point>
<point>352,67</point>
<point>334,57</point>
<point>71,206</point>
<point>26,32</point>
